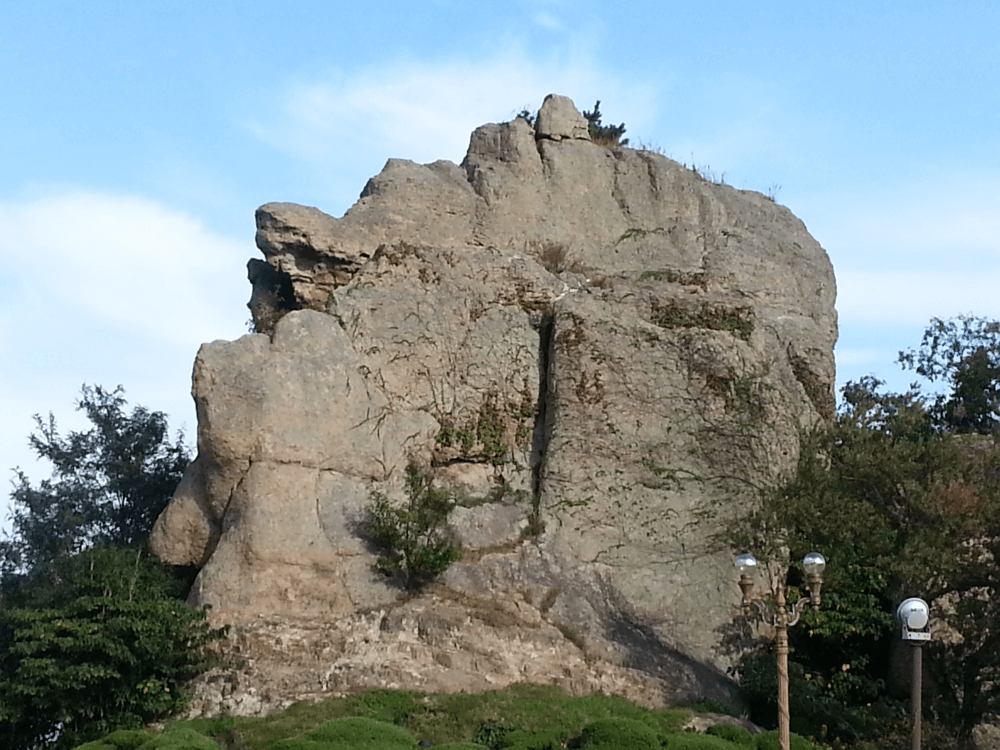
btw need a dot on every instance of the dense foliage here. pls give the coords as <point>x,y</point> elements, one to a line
<point>903,502</point>
<point>412,538</point>
<point>965,353</point>
<point>94,635</point>
<point>101,643</point>
<point>108,485</point>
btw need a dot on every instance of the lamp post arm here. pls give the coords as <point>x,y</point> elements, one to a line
<point>797,609</point>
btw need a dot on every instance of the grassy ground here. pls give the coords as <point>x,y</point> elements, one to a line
<point>521,717</point>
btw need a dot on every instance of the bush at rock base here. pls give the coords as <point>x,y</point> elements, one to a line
<point>519,717</point>
<point>175,738</point>
<point>615,732</point>
<point>123,739</point>
<point>769,741</point>
<point>737,735</point>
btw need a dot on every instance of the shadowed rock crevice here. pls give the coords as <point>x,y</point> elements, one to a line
<point>543,417</point>
<point>272,296</point>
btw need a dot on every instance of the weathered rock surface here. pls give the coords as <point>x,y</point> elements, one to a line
<point>986,737</point>
<point>597,346</point>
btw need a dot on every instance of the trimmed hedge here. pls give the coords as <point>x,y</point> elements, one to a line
<point>357,733</point>
<point>732,733</point>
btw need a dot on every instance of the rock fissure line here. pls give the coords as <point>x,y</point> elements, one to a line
<point>542,432</point>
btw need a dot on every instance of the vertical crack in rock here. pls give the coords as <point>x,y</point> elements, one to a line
<point>543,427</point>
<point>617,192</point>
<point>654,183</point>
<point>232,492</point>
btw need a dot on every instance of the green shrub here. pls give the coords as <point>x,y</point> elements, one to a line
<point>390,706</point>
<point>769,741</point>
<point>123,739</point>
<point>606,135</point>
<point>412,536</point>
<point>99,645</point>
<point>693,741</point>
<point>732,733</point>
<point>179,738</point>
<point>493,734</point>
<point>361,733</point>
<point>619,732</point>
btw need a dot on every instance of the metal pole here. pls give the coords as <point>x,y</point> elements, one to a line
<point>781,646</point>
<point>915,693</point>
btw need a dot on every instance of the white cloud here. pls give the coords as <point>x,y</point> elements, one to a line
<point>425,111</point>
<point>904,253</point>
<point>124,262</point>
<point>942,216</point>
<point>548,21</point>
<point>104,289</point>
<point>858,357</point>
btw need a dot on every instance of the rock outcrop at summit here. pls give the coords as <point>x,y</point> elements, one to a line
<point>598,346</point>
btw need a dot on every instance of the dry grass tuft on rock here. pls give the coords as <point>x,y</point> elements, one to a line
<point>604,135</point>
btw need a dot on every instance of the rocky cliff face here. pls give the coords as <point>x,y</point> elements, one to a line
<point>599,347</point>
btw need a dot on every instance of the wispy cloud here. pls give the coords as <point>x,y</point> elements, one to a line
<point>123,261</point>
<point>107,289</point>
<point>548,21</point>
<point>932,214</point>
<point>425,111</point>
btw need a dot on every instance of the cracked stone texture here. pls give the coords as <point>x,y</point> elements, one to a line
<point>597,347</point>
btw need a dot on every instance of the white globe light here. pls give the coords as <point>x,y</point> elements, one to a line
<point>747,563</point>
<point>814,563</point>
<point>914,613</point>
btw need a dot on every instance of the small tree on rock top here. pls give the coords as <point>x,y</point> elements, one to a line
<point>606,135</point>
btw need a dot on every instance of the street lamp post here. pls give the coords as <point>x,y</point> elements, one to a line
<point>913,615</point>
<point>782,618</point>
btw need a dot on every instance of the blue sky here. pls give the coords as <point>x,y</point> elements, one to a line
<point>138,138</point>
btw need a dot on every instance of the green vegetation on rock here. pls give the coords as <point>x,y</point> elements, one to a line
<point>605,135</point>
<point>415,547</point>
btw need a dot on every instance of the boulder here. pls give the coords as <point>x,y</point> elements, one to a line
<point>597,349</point>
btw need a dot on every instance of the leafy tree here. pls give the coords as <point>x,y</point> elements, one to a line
<point>964,352</point>
<point>903,504</point>
<point>94,636</point>
<point>416,547</point>
<point>608,135</point>
<point>100,645</point>
<point>108,485</point>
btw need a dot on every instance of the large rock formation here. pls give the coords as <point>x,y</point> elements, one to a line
<point>602,349</point>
